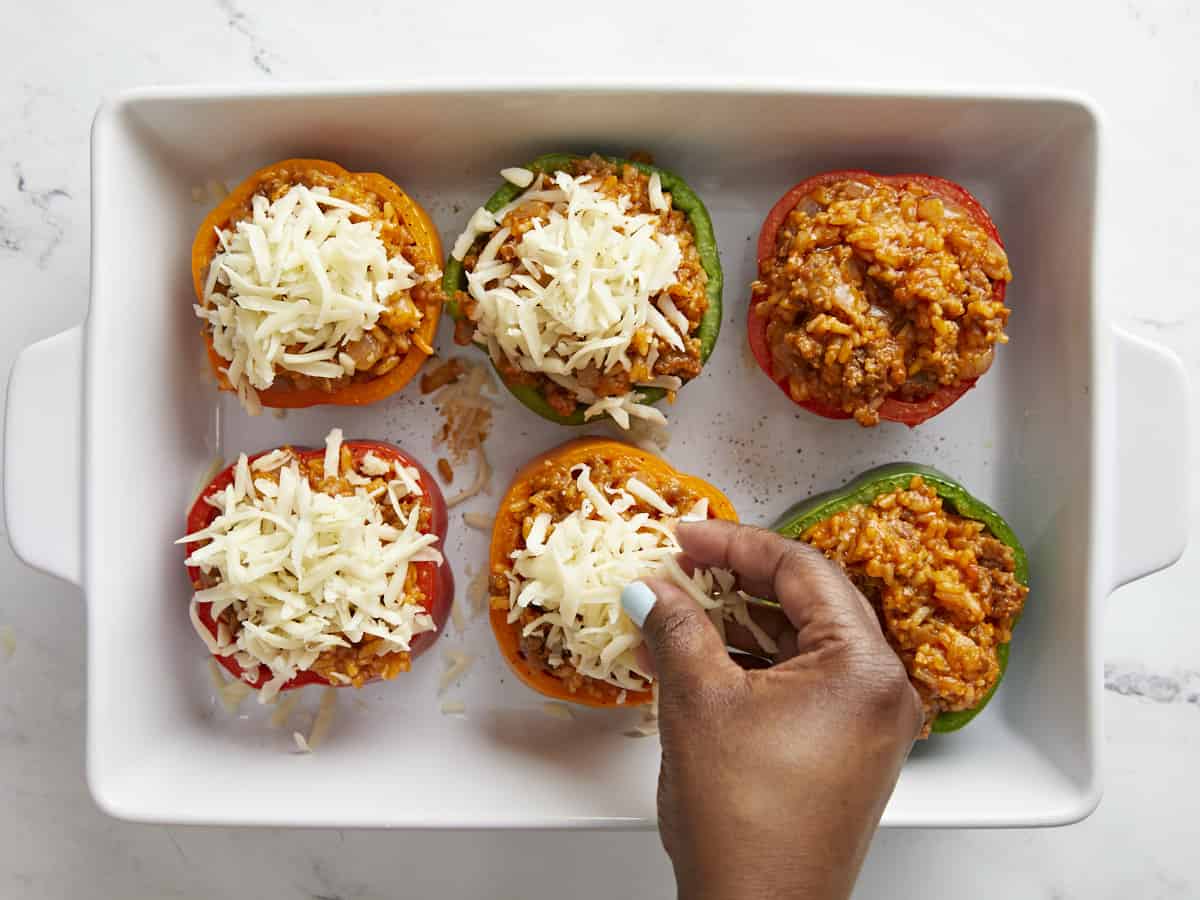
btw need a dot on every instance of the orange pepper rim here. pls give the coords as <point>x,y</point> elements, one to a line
<point>424,234</point>
<point>506,533</point>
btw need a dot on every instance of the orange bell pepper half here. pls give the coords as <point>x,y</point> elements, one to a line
<point>506,533</point>
<point>424,233</point>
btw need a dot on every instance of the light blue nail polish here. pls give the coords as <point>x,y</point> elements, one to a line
<point>637,600</point>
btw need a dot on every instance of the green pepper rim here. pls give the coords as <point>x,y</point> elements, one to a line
<point>684,198</point>
<point>896,476</point>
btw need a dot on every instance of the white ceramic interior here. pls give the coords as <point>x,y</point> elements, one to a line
<point>1037,439</point>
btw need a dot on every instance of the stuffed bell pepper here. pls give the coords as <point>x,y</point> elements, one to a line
<point>576,526</point>
<point>878,296</point>
<point>316,285</point>
<point>593,283</point>
<point>944,572</point>
<point>319,566</point>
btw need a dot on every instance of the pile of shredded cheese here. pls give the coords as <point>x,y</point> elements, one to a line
<point>586,281</point>
<point>299,281</point>
<point>573,571</point>
<point>305,571</point>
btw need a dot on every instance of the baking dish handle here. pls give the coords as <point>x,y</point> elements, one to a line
<point>42,454</point>
<point>1153,411</point>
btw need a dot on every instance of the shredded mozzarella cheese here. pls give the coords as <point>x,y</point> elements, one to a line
<point>214,468</point>
<point>323,723</point>
<point>477,592</point>
<point>478,521</point>
<point>283,711</point>
<point>457,665</point>
<point>294,285</point>
<point>233,693</point>
<point>465,405</point>
<point>305,571</point>
<point>583,287</point>
<point>648,726</point>
<point>482,482</point>
<point>556,710</point>
<point>650,436</point>
<point>572,572</point>
<point>658,200</point>
<point>521,177</point>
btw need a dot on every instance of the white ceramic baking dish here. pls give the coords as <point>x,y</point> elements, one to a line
<point>110,425</point>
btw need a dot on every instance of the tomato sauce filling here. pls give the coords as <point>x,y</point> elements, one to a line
<point>878,291</point>
<point>944,588</point>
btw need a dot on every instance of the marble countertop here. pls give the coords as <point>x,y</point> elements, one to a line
<point>1136,58</point>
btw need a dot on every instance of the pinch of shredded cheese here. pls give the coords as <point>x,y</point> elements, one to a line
<point>572,572</point>
<point>582,290</point>
<point>300,280</point>
<point>453,707</point>
<point>305,571</point>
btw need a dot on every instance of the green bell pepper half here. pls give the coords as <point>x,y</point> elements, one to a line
<point>683,198</point>
<point>897,476</point>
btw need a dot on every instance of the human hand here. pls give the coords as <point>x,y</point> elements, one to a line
<point>773,780</point>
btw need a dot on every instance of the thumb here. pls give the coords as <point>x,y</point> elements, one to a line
<point>682,639</point>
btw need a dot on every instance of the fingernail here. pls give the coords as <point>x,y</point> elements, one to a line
<point>637,600</point>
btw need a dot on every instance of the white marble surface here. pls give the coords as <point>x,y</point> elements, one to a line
<point>1138,59</point>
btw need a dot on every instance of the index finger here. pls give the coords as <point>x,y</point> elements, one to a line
<point>810,589</point>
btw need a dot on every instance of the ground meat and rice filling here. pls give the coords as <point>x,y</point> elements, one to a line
<point>944,588</point>
<point>877,291</point>
<point>394,334</point>
<point>649,354</point>
<point>366,660</point>
<point>554,490</point>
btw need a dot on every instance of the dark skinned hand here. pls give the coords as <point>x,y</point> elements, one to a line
<point>773,780</point>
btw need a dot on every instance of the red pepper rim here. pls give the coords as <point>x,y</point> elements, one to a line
<point>436,582</point>
<point>909,413</point>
